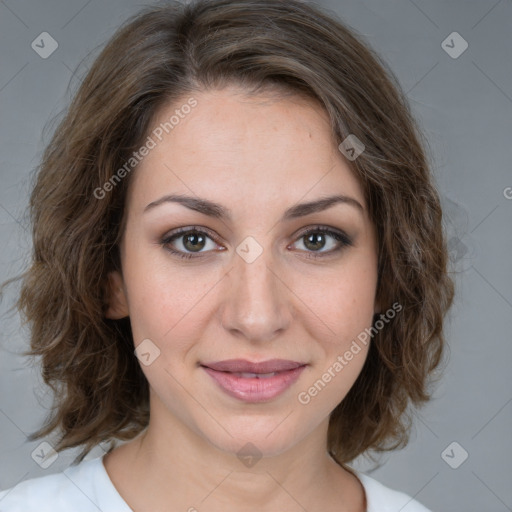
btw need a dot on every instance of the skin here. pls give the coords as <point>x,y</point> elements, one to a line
<point>257,156</point>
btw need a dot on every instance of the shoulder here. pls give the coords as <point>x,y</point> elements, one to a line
<point>383,499</point>
<point>81,488</point>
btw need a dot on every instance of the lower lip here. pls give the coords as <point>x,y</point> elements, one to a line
<point>254,389</point>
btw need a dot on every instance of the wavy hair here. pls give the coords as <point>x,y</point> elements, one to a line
<point>159,55</point>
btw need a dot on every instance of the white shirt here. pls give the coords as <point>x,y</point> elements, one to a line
<point>86,487</point>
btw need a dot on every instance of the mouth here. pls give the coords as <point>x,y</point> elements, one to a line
<point>254,382</point>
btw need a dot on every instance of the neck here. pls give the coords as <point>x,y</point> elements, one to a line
<point>170,467</point>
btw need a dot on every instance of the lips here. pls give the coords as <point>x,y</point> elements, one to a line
<point>244,366</point>
<point>254,382</point>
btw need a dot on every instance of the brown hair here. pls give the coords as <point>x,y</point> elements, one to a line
<point>158,56</point>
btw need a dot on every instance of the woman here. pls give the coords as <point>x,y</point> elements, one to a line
<point>239,268</point>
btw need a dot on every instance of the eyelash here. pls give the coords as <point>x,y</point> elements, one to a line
<point>339,236</point>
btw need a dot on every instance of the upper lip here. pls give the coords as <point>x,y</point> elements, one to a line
<point>244,366</point>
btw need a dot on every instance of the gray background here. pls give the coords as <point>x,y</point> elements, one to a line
<point>465,107</point>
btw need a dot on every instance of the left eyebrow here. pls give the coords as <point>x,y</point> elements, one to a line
<point>218,211</point>
<point>303,209</point>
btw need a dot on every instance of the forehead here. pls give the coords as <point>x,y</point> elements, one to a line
<point>254,149</point>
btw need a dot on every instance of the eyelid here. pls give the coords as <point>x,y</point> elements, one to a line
<point>339,235</point>
<point>187,229</point>
<point>325,229</point>
<point>179,232</point>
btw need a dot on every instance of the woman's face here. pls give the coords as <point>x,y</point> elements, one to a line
<point>258,283</point>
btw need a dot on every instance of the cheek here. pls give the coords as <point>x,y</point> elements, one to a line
<point>345,306</point>
<point>355,308</point>
<point>340,304</point>
<point>159,294</point>
<point>332,378</point>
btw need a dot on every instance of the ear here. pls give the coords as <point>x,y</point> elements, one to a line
<point>116,297</point>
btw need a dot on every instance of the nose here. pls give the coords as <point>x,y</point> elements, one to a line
<point>257,305</point>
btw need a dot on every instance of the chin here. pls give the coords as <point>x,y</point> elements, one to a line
<point>264,436</point>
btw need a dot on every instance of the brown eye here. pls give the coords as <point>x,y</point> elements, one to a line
<point>316,239</point>
<point>187,241</point>
<point>194,241</point>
